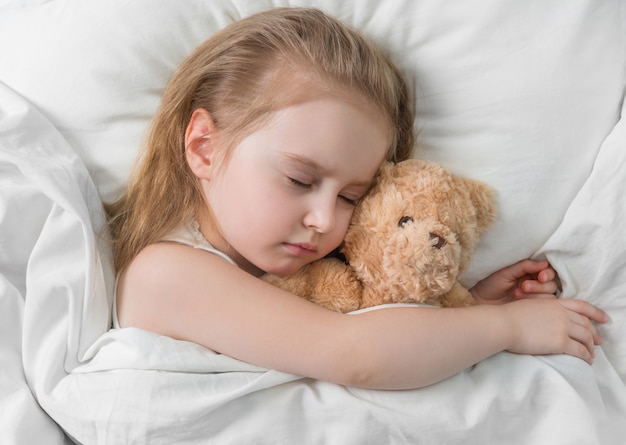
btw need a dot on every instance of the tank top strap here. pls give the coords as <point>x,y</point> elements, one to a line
<point>189,234</point>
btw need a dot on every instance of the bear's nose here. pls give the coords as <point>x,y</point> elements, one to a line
<point>437,241</point>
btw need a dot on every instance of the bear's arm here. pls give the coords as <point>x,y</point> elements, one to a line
<point>327,282</point>
<point>457,297</point>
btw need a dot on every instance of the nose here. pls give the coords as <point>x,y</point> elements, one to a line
<point>321,215</point>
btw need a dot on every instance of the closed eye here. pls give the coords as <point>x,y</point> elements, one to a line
<point>307,186</point>
<point>352,202</point>
<point>300,183</point>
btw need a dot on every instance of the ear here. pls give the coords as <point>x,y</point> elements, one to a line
<point>483,198</point>
<point>200,148</point>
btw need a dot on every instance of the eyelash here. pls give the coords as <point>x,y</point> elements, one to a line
<point>300,183</point>
<point>304,185</point>
<point>352,202</point>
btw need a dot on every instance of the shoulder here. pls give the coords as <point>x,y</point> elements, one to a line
<point>167,260</point>
<point>164,274</point>
<point>163,250</point>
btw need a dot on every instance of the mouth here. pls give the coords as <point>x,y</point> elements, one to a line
<point>301,249</point>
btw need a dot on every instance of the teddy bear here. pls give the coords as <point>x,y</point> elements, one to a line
<point>409,240</point>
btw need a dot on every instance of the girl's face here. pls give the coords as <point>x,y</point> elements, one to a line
<point>286,194</point>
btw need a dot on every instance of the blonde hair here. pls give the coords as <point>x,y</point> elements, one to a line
<point>240,75</point>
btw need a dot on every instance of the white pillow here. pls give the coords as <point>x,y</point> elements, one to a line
<point>517,94</point>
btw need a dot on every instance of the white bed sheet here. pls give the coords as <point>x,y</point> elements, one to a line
<point>53,306</point>
<point>130,386</point>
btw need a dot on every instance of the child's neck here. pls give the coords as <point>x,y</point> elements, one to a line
<point>212,233</point>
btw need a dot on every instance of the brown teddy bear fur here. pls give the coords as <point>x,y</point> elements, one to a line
<point>409,240</point>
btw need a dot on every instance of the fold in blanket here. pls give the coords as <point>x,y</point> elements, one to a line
<point>54,264</point>
<point>131,386</point>
<point>589,247</point>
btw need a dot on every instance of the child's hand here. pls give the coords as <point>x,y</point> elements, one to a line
<point>524,279</point>
<point>563,326</point>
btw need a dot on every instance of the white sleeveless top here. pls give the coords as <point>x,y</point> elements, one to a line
<point>188,234</point>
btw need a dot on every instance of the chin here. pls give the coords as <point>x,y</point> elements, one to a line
<point>285,270</point>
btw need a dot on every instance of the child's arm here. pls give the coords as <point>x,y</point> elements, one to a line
<point>193,295</point>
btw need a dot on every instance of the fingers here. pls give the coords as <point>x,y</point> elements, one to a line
<point>519,295</point>
<point>538,281</point>
<point>536,289</point>
<point>584,336</point>
<point>527,267</point>
<point>584,308</point>
<point>582,322</point>
<point>579,349</point>
<point>557,326</point>
<point>547,274</point>
<point>583,339</point>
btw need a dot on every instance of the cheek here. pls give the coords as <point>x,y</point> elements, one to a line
<point>342,222</point>
<point>263,210</point>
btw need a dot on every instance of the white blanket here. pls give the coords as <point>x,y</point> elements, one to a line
<point>130,386</point>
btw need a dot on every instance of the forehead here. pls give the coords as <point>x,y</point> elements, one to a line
<point>324,136</point>
<point>292,84</point>
<point>289,86</point>
<point>330,127</point>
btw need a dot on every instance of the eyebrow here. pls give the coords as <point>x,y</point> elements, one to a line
<point>310,163</point>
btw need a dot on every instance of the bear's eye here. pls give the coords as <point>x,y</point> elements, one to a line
<point>405,220</point>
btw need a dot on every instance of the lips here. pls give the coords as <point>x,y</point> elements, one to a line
<point>301,249</point>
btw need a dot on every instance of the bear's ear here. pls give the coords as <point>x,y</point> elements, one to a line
<point>482,197</point>
<point>383,175</point>
<point>385,170</point>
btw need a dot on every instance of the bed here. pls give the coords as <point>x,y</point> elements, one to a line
<point>527,96</point>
